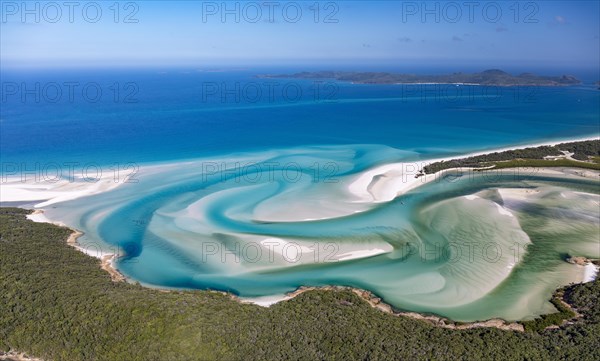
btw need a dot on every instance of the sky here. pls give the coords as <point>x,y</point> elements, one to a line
<point>201,33</point>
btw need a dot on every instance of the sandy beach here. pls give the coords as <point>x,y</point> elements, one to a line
<point>386,182</point>
<point>590,272</point>
<point>48,192</point>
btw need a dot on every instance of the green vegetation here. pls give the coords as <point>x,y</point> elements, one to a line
<point>518,163</point>
<point>583,150</point>
<point>585,296</point>
<point>540,323</point>
<point>57,304</point>
<point>528,157</point>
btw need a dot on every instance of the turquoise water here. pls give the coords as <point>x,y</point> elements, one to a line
<point>252,194</point>
<point>500,254</point>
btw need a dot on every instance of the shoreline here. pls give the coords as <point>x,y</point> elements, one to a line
<point>106,259</point>
<point>515,147</point>
<point>359,187</point>
<point>361,182</point>
<point>590,272</point>
<point>13,355</point>
<point>434,320</point>
<point>488,77</point>
<point>366,295</point>
<point>50,191</point>
<point>466,84</point>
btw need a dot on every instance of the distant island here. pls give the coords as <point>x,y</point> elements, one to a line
<point>494,77</point>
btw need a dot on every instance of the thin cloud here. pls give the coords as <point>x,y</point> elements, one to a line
<point>558,21</point>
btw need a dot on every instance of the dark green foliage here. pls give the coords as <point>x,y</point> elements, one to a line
<point>540,323</point>
<point>524,163</point>
<point>582,151</point>
<point>586,299</point>
<point>57,304</point>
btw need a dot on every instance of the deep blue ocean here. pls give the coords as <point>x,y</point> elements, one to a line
<point>110,116</point>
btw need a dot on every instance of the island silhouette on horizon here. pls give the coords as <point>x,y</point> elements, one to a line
<point>493,77</point>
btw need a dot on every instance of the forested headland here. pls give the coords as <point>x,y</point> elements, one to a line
<point>585,154</point>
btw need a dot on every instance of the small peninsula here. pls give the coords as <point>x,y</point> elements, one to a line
<point>491,77</point>
<point>581,154</point>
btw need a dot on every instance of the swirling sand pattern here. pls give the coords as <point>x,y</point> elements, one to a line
<point>468,246</point>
